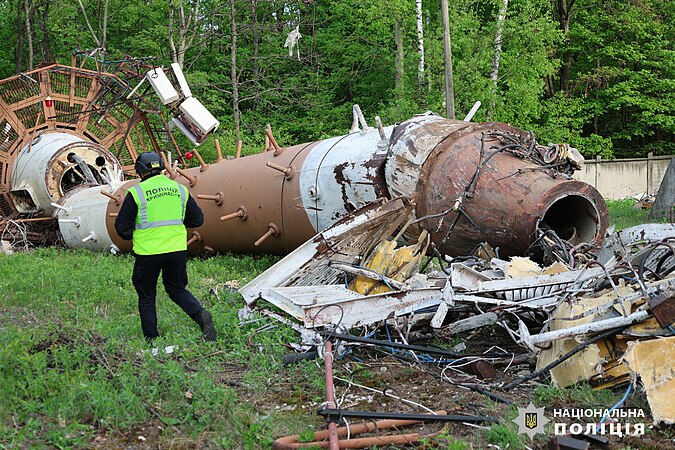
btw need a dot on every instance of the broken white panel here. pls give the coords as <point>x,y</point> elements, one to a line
<point>182,82</point>
<point>199,115</point>
<point>524,288</point>
<point>629,240</point>
<point>162,85</point>
<point>347,241</point>
<point>351,310</point>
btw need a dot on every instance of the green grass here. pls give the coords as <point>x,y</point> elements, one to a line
<point>624,214</point>
<point>74,363</point>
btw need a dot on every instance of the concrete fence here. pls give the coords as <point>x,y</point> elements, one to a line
<point>620,178</point>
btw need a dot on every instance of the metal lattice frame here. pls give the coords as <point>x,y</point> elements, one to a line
<point>89,104</point>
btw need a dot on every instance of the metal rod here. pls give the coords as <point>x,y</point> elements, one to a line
<point>380,128</point>
<point>334,414</point>
<point>472,112</point>
<point>272,230</point>
<point>112,197</point>
<point>287,171</point>
<point>601,325</point>
<point>218,151</point>
<point>167,166</point>
<point>330,395</point>
<point>202,165</point>
<point>218,197</point>
<point>277,148</point>
<point>241,213</point>
<point>563,358</point>
<point>417,348</point>
<point>192,180</point>
<point>196,237</point>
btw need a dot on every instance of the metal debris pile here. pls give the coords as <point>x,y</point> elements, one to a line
<point>602,315</point>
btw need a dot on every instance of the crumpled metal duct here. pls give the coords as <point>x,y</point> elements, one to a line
<point>273,201</point>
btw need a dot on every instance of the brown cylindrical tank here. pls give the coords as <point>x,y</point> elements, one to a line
<point>491,195</point>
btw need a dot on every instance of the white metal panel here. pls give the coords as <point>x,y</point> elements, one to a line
<point>162,86</point>
<point>31,165</point>
<point>182,82</point>
<point>83,213</point>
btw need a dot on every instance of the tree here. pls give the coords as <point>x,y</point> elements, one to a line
<point>101,34</point>
<point>187,29</point>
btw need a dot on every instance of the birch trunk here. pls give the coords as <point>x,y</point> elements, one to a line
<point>29,31</point>
<point>420,50</point>
<point>447,50</point>
<point>494,75</point>
<point>186,30</point>
<point>21,29</point>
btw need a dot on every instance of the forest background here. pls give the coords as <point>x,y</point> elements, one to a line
<point>598,74</point>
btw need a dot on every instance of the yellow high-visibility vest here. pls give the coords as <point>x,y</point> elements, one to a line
<point>161,209</point>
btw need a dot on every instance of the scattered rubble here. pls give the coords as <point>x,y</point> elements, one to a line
<point>601,314</point>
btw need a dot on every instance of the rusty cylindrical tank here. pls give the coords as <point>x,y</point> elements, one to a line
<point>471,195</point>
<point>273,201</point>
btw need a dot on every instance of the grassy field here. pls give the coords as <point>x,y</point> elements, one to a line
<point>76,372</point>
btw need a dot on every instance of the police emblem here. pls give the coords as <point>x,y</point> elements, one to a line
<point>531,420</point>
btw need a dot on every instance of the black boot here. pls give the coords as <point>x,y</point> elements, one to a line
<point>205,322</point>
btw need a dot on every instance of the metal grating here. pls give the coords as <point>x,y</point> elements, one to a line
<point>66,113</point>
<point>99,128</point>
<point>7,137</point>
<point>18,89</point>
<point>5,206</point>
<point>31,116</point>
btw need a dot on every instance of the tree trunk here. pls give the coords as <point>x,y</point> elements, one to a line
<point>494,75</point>
<point>186,30</point>
<point>235,83</point>
<point>447,50</point>
<point>103,28</point>
<point>28,11</point>
<point>20,28</point>
<point>398,60</point>
<point>563,10</point>
<point>420,50</point>
<point>172,45</point>
<point>99,37</point>
<point>44,26</point>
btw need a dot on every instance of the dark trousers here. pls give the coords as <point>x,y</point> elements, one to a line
<point>174,275</point>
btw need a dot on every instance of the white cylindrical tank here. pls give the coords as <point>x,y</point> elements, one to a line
<point>53,164</point>
<point>82,218</point>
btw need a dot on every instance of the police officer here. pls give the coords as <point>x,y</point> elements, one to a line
<point>154,215</point>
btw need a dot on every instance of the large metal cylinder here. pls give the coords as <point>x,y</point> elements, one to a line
<point>273,201</point>
<point>51,165</point>
<point>503,203</point>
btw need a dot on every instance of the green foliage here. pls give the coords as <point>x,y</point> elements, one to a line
<point>620,99</point>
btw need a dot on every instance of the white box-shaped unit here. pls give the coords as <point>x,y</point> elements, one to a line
<point>182,82</point>
<point>189,134</point>
<point>199,115</point>
<point>162,86</point>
